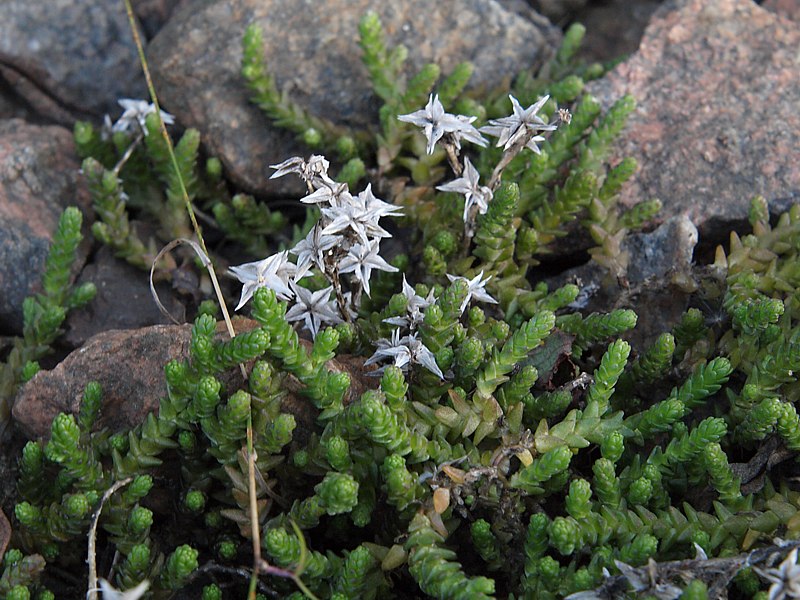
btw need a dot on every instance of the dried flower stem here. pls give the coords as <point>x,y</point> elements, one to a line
<point>507,157</point>
<point>332,272</point>
<point>255,532</point>
<point>469,230</point>
<point>168,141</point>
<point>452,158</point>
<point>92,555</point>
<point>217,290</point>
<point>128,152</point>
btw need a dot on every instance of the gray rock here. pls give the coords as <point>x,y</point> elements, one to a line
<point>655,254</point>
<point>123,300</point>
<point>311,48</point>
<point>658,261</point>
<point>717,85</point>
<point>38,179</point>
<point>11,106</point>
<point>614,29</point>
<point>558,10</point>
<point>153,14</point>
<point>69,58</point>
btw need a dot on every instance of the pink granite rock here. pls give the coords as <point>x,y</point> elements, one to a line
<point>718,86</point>
<point>787,8</point>
<point>128,365</point>
<point>38,179</point>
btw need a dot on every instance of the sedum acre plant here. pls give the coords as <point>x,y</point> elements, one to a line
<point>435,421</point>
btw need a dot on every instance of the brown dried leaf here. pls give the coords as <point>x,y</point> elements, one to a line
<point>441,500</point>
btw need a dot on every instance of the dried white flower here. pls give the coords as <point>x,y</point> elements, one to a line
<point>134,114</point>
<point>390,348</point>
<point>645,579</point>
<point>313,172</point>
<point>476,288</point>
<point>415,304</point>
<point>110,593</point>
<point>785,578</point>
<point>273,272</point>
<point>106,129</point>
<point>404,351</point>
<point>331,193</point>
<point>360,214</point>
<point>316,165</point>
<point>376,207</point>
<point>362,259</point>
<point>467,132</point>
<point>524,122</point>
<point>311,250</point>
<point>468,185</point>
<point>313,308</point>
<point>435,122</point>
<point>699,553</point>
<point>421,354</point>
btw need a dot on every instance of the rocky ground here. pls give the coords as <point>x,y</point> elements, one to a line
<point>717,84</point>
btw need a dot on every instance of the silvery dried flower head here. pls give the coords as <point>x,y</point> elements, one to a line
<point>331,193</point>
<point>785,578</point>
<point>106,129</point>
<point>273,272</point>
<point>523,123</point>
<point>645,579</point>
<point>362,259</point>
<point>433,119</point>
<point>699,553</point>
<point>110,593</point>
<point>435,123</point>
<point>415,304</point>
<point>311,250</point>
<point>313,308</point>
<point>389,348</point>
<point>314,171</point>
<point>468,132</point>
<point>360,214</point>
<point>468,185</point>
<point>405,351</point>
<point>134,114</point>
<point>476,288</point>
<point>377,207</point>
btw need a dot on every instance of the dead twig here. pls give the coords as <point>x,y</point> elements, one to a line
<point>92,555</point>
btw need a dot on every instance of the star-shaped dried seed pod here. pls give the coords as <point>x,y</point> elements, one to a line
<point>313,308</point>
<point>134,114</point>
<point>361,260</point>
<point>522,123</point>
<point>468,185</point>
<point>273,272</point>
<point>435,123</point>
